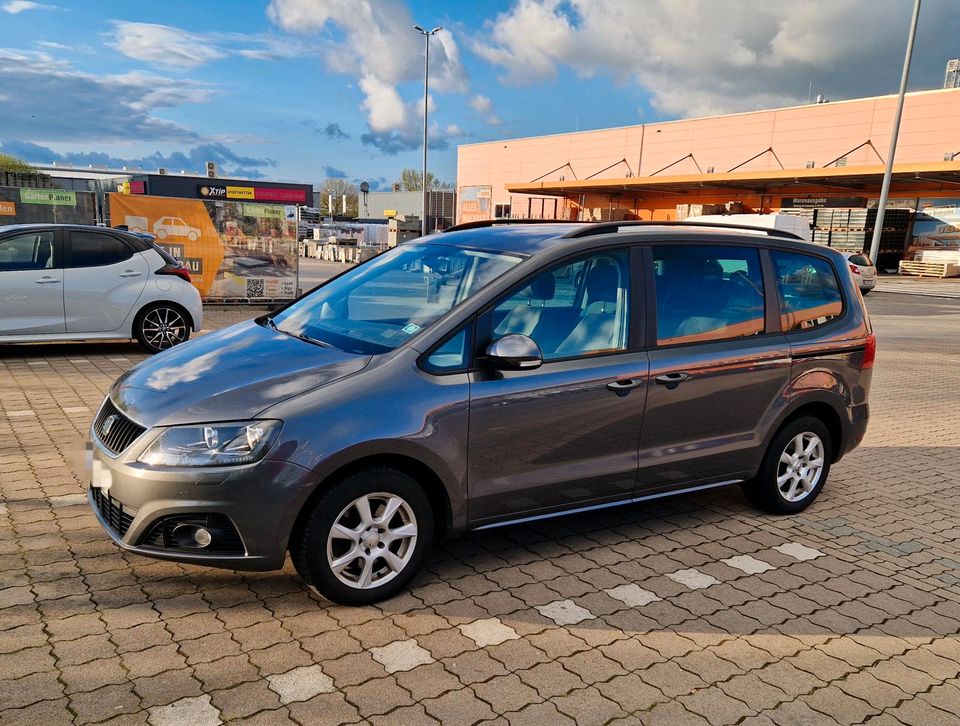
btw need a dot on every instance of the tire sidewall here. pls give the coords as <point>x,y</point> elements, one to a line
<point>312,543</point>
<point>765,491</point>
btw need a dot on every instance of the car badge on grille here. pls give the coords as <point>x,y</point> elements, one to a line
<point>108,424</point>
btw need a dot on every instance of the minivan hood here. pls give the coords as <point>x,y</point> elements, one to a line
<point>231,374</point>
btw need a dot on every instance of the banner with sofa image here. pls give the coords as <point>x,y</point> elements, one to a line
<point>234,250</point>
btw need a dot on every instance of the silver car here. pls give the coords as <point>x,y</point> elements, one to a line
<point>482,377</point>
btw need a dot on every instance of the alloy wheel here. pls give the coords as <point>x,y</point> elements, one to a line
<point>800,466</point>
<point>163,328</point>
<point>372,540</point>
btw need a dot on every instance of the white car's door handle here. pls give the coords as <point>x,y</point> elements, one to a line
<point>130,273</point>
<point>46,280</point>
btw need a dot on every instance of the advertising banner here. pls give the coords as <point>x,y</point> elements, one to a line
<point>937,223</point>
<point>232,249</point>
<point>474,204</point>
<point>20,205</point>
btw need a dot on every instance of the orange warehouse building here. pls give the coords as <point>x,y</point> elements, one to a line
<point>803,159</point>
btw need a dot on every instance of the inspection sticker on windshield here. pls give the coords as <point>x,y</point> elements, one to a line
<point>410,329</point>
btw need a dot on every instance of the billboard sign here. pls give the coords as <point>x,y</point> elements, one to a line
<point>232,249</point>
<point>474,204</point>
<point>19,205</point>
<point>252,193</point>
<point>54,197</point>
<point>821,202</point>
<point>937,223</point>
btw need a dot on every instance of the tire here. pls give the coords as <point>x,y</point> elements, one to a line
<point>865,291</point>
<point>362,576</point>
<point>192,236</point>
<point>161,326</point>
<point>161,233</point>
<point>782,488</point>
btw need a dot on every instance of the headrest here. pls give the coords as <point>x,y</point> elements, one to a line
<point>542,287</point>
<point>602,282</point>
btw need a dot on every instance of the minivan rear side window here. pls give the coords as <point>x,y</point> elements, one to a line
<point>809,291</point>
<point>707,293</point>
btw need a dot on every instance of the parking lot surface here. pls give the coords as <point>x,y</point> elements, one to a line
<point>687,611</point>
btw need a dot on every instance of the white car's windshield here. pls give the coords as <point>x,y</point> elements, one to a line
<point>385,301</point>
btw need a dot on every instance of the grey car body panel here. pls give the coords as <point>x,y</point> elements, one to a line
<point>502,446</point>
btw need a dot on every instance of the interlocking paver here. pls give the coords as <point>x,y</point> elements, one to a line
<point>300,684</point>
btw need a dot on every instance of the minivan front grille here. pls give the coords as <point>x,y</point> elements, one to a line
<point>118,517</point>
<point>114,430</point>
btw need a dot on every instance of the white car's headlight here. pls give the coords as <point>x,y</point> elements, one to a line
<point>215,444</point>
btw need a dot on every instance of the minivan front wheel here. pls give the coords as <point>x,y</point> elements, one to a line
<point>365,538</point>
<point>795,467</point>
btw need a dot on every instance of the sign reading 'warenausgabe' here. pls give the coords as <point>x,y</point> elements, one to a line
<point>55,197</point>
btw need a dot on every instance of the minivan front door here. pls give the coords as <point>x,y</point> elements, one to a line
<point>565,434</point>
<point>715,372</point>
<point>31,284</point>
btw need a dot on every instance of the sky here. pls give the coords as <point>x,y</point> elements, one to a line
<point>301,90</point>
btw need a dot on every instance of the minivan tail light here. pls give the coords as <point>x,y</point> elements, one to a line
<point>869,352</point>
<point>179,270</point>
<point>854,269</point>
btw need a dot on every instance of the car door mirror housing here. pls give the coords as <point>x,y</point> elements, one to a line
<point>514,352</point>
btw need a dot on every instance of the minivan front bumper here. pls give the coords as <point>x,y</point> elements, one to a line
<point>250,510</point>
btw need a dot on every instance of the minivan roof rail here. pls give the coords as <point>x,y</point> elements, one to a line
<point>588,229</point>
<point>607,227</point>
<point>480,223</point>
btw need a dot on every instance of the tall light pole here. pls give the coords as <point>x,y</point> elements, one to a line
<point>888,172</point>
<point>426,89</point>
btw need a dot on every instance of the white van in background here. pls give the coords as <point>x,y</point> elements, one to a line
<point>786,222</point>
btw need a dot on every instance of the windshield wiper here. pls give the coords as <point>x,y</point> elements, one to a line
<point>301,336</point>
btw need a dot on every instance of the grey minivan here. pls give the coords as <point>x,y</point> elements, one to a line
<point>485,376</point>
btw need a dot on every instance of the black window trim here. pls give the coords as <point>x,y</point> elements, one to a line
<point>651,297</point>
<point>58,246</point>
<point>484,316</point>
<point>68,246</point>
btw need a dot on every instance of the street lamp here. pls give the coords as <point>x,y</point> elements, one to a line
<point>426,88</point>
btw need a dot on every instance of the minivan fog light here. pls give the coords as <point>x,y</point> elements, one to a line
<point>215,444</point>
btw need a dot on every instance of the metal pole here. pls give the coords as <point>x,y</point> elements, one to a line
<point>888,172</point>
<point>426,89</point>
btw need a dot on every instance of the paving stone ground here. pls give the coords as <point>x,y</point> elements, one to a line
<point>688,611</point>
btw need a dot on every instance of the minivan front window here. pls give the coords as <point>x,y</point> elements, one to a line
<point>381,304</point>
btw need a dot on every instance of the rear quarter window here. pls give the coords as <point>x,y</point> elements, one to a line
<point>809,291</point>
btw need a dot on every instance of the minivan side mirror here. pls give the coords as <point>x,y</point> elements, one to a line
<point>514,352</point>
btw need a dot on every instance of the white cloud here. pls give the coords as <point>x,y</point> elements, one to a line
<point>713,56</point>
<point>377,43</point>
<point>18,6</point>
<point>88,106</point>
<point>168,45</point>
<point>481,104</point>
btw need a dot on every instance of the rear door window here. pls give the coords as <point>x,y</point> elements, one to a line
<point>861,260</point>
<point>809,291</point>
<point>707,293</point>
<point>95,249</point>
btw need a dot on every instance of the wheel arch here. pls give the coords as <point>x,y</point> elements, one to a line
<point>431,482</point>
<point>820,408</point>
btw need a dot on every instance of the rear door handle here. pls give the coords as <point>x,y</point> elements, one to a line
<point>672,380</point>
<point>46,280</point>
<point>130,273</point>
<point>622,388</point>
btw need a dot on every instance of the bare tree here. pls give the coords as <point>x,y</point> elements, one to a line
<point>338,188</point>
<point>411,180</point>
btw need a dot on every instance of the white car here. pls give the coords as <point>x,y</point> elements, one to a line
<point>175,227</point>
<point>76,282</point>
<point>863,271</point>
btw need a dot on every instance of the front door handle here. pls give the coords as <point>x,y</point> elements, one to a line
<point>671,380</point>
<point>130,273</point>
<point>46,280</point>
<point>622,388</point>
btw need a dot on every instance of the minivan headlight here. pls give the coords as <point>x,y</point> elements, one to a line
<point>215,444</point>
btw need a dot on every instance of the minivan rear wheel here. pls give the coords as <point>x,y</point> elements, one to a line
<point>794,469</point>
<point>365,538</point>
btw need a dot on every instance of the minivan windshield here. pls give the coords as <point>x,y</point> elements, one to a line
<point>382,303</point>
